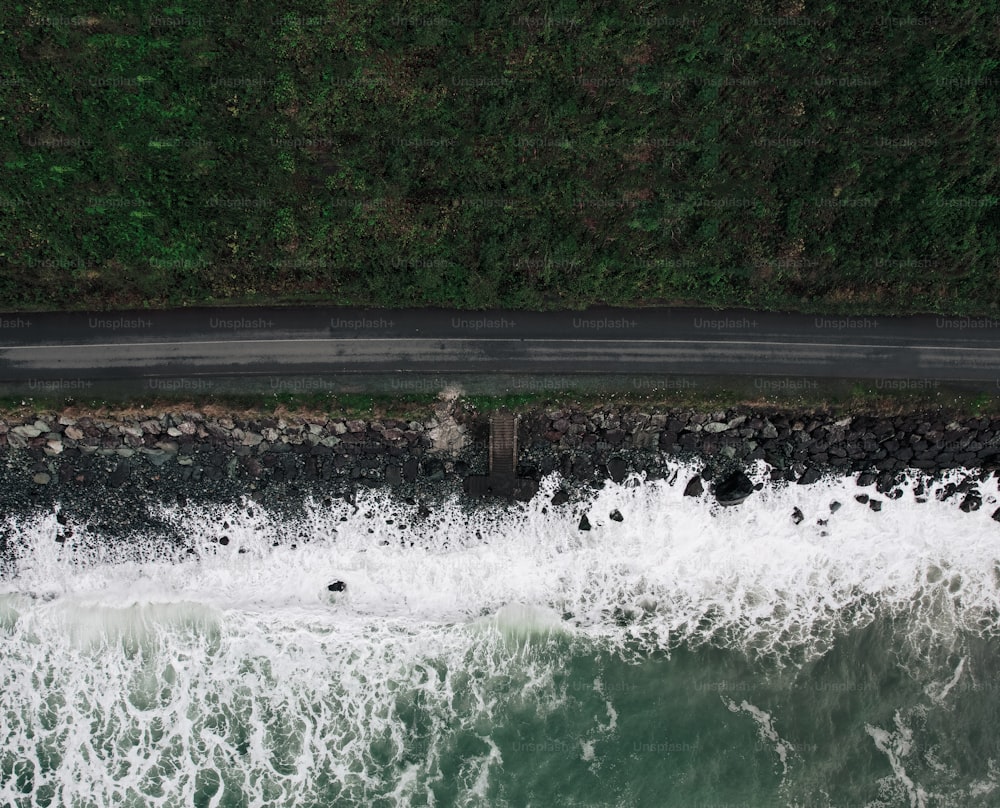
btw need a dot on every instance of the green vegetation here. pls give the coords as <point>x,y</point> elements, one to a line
<point>814,155</point>
<point>830,397</point>
<point>406,407</point>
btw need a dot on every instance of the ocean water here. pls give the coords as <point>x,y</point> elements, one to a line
<point>689,655</point>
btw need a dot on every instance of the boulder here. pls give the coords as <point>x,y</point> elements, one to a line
<point>584,523</point>
<point>733,488</point>
<point>617,469</point>
<point>797,516</point>
<point>694,488</point>
<point>616,516</point>
<point>410,469</point>
<point>560,497</point>
<point>120,475</point>
<point>337,586</point>
<point>810,475</point>
<point>973,502</point>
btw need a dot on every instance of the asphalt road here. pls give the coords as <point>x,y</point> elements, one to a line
<point>64,349</point>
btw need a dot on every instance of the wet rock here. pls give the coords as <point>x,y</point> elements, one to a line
<point>733,488</point>
<point>120,475</point>
<point>433,469</point>
<point>560,497</point>
<point>616,516</point>
<point>337,586</point>
<point>866,478</point>
<point>614,437</point>
<point>583,467</point>
<point>862,498</point>
<point>797,516</point>
<point>886,482</point>
<point>617,469</point>
<point>694,488</point>
<point>875,505</point>
<point>973,502</point>
<point>584,523</point>
<point>834,506</point>
<point>996,515</point>
<point>810,475</point>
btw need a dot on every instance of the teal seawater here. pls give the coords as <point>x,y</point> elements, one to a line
<point>687,656</point>
<point>531,719</point>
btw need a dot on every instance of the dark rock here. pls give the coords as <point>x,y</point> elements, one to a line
<point>616,516</point>
<point>120,475</point>
<point>733,488</point>
<point>834,506</point>
<point>694,488</point>
<point>973,502</point>
<point>393,474</point>
<point>875,504</point>
<point>810,475</point>
<point>617,469</point>
<point>996,515</point>
<point>775,460</point>
<point>433,468</point>
<point>947,492</point>
<point>337,586</point>
<point>560,497</point>
<point>614,437</point>
<point>410,469</point>
<point>797,516</point>
<point>862,498</point>
<point>866,478</point>
<point>583,468</point>
<point>584,522</point>
<point>886,482</point>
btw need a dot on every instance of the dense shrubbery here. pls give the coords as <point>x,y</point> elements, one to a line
<point>501,154</point>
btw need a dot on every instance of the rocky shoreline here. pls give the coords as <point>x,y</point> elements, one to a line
<point>111,469</point>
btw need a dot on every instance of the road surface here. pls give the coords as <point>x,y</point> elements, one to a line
<point>58,351</point>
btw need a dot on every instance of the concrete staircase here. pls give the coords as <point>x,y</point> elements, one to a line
<point>503,444</point>
<point>502,480</point>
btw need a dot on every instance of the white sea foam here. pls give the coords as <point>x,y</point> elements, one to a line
<point>896,746</point>
<point>765,729</point>
<point>151,646</point>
